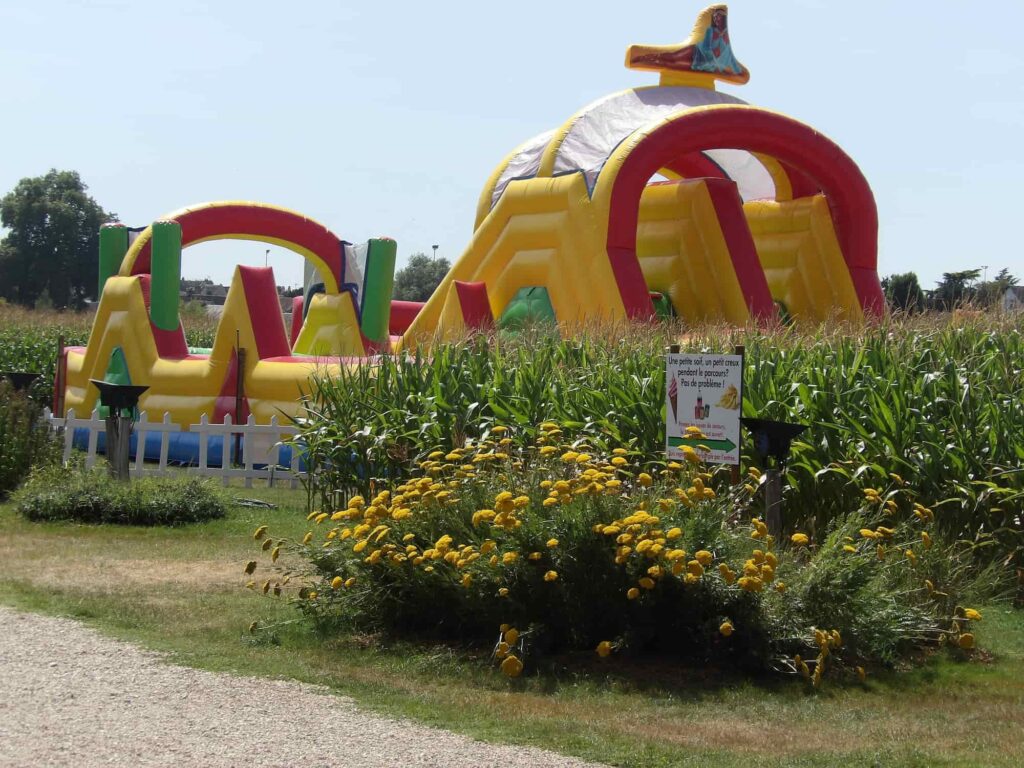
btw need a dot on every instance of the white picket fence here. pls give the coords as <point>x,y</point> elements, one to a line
<point>260,445</point>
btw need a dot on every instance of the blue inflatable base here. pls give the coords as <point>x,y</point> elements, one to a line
<point>182,448</point>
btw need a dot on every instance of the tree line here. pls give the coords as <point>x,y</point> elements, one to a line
<point>49,256</point>
<point>903,291</point>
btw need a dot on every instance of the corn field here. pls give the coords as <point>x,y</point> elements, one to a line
<point>932,401</point>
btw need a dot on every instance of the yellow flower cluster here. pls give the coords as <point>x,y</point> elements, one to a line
<point>826,641</point>
<point>488,518</point>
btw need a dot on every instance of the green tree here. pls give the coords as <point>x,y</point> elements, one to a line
<point>991,292</point>
<point>955,288</point>
<point>420,277</point>
<point>53,240</point>
<point>903,292</point>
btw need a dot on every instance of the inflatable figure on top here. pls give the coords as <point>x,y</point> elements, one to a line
<point>707,50</point>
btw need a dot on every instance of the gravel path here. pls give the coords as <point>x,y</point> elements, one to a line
<point>71,697</point>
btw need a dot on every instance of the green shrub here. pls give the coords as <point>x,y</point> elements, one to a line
<point>93,497</point>
<point>25,441</point>
<point>582,553</point>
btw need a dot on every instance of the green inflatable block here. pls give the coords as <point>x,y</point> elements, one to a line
<point>663,308</point>
<point>530,306</point>
<point>117,373</point>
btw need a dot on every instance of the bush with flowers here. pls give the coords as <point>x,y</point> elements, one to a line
<point>561,550</point>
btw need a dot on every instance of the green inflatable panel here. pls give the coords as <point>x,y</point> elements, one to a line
<point>529,306</point>
<point>663,308</point>
<point>117,373</point>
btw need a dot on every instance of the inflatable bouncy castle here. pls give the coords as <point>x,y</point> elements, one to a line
<point>669,200</point>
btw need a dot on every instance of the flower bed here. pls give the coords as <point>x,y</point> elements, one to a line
<point>560,550</point>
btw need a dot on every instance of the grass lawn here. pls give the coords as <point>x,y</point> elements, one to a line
<point>182,591</point>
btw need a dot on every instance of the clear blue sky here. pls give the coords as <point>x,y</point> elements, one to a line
<point>383,118</point>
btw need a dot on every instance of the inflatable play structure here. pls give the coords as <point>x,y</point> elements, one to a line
<point>672,200</point>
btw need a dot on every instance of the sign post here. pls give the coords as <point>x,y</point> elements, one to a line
<point>706,392</point>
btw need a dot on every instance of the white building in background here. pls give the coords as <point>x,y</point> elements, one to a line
<point>1013,299</point>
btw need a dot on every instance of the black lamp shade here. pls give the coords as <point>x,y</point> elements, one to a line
<point>772,438</point>
<point>118,397</point>
<point>21,380</point>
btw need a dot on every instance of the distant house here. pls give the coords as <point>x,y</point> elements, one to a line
<point>204,291</point>
<point>1013,299</point>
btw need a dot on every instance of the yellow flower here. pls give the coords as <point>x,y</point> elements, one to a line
<point>728,575</point>
<point>512,666</point>
<point>550,501</point>
<point>259,532</point>
<point>911,556</point>
<point>467,579</point>
<point>551,576</point>
<point>801,666</point>
<point>570,456</point>
<point>972,615</point>
<point>751,583</point>
<point>619,461</point>
<point>604,649</point>
<point>800,539</point>
<point>499,430</point>
<point>509,557</point>
<point>726,628</point>
<point>619,452</point>
<point>312,595</point>
<point>320,518</point>
<point>704,557</point>
<point>552,543</point>
<point>547,450</point>
<point>861,674</point>
<point>926,540</point>
<point>250,567</point>
<point>337,582</point>
<point>695,568</point>
<point>849,548</point>
<point>645,480</point>
<point>867,533</point>
<point>633,593</point>
<point>275,554</point>
<point>267,544</point>
<point>966,641</point>
<point>349,582</point>
<point>780,587</point>
<point>503,592</point>
<point>308,537</point>
<point>646,582</point>
<point>511,635</point>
